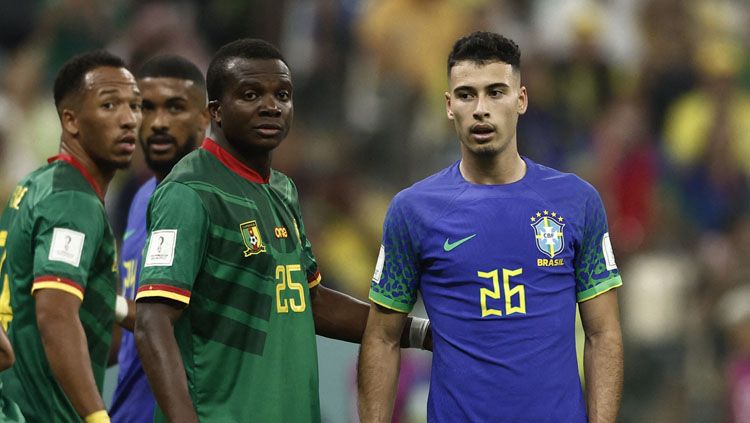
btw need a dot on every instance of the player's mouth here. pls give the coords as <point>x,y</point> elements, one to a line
<point>482,132</point>
<point>160,143</point>
<point>269,129</point>
<point>126,143</point>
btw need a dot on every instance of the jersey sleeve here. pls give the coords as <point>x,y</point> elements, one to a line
<point>178,227</point>
<point>309,262</point>
<point>595,268</point>
<point>69,226</point>
<point>395,281</point>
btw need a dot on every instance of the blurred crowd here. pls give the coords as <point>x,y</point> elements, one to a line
<point>649,100</point>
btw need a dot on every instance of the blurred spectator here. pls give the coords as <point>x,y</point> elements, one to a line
<point>707,138</point>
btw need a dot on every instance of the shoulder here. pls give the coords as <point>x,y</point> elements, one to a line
<point>547,179</point>
<point>144,192</point>
<point>195,166</point>
<point>436,189</point>
<point>282,183</point>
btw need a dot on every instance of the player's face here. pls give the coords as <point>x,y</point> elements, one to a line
<point>174,119</point>
<point>109,116</point>
<point>484,103</point>
<point>255,111</point>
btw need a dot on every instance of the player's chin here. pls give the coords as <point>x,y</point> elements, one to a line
<point>121,161</point>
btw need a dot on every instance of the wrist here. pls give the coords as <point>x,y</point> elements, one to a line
<point>100,416</point>
<point>418,332</point>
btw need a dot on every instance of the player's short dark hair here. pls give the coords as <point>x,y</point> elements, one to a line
<point>246,48</point>
<point>171,66</point>
<point>71,76</point>
<point>482,47</point>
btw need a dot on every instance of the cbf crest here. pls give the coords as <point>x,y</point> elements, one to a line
<point>548,230</point>
<point>251,238</point>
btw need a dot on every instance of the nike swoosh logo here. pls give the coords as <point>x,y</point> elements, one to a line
<point>448,246</point>
<point>127,234</point>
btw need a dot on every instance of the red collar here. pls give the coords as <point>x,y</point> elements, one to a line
<point>76,164</point>
<point>232,163</point>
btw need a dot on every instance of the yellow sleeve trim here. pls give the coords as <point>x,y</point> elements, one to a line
<point>162,294</point>
<point>388,303</point>
<point>57,285</point>
<point>315,282</point>
<point>599,289</point>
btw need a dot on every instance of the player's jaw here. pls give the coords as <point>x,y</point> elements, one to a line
<point>162,150</point>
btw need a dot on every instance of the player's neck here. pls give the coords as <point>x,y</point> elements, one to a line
<point>102,177</point>
<point>492,170</point>
<point>259,161</point>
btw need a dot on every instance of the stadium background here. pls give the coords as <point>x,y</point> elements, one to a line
<point>647,100</point>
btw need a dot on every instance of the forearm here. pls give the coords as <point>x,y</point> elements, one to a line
<point>377,378</point>
<point>162,363</point>
<point>339,316</point>
<point>7,357</point>
<point>67,352</point>
<point>128,321</point>
<point>603,366</point>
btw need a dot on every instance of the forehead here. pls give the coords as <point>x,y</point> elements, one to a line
<point>475,74</point>
<point>105,79</point>
<point>240,70</point>
<point>166,86</point>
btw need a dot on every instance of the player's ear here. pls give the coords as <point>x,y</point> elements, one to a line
<point>69,121</point>
<point>214,110</point>
<point>448,110</point>
<point>523,100</point>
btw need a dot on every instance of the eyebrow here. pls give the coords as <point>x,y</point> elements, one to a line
<point>471,88</point>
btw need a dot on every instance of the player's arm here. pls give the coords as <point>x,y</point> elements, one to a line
<point>379,362</point>
<point>7,358</point>
<point>602,356</point>
<point>160,355</point>
<point>340,316</point>
<point>66,348</point>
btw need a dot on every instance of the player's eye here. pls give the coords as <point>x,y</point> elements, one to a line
<point>176,108</point>
<point>136,107</point>
<point>496,93</point>
<point>250,95</point>
<point>108,106</point>
<point>284,95</point>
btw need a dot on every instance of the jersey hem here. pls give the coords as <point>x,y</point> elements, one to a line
<point>388,303</point>
<point>599,289</point>
<point>54,282</point>
<point>163,291</point>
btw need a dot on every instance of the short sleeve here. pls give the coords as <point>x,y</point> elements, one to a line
<point>178,225</point>
<point>595,268</point>
<point>68,230</point>
<point>395,281</point>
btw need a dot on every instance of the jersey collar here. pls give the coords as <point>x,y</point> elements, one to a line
<point>76,164</point>
<point>232,163</point>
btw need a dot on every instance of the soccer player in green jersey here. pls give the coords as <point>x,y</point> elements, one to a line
<point>57,250</point>
<point>230,297</point>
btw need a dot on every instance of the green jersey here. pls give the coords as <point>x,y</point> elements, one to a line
<point>54,234</point>
<point>232,248</point>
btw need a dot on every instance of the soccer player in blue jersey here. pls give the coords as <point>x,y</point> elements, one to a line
<point>501,250</point>
<point>175,118</point>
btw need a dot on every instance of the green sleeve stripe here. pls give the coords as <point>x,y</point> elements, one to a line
<point>598,289</point>
<point>389,303</point>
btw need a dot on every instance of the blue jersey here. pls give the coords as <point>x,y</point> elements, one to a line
<point>133,400</point>
<point>500,269</point>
